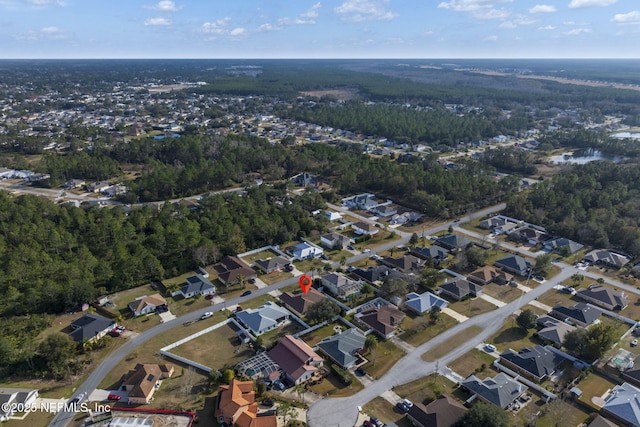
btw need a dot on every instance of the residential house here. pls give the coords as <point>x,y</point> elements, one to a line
<point>300,302</point>
<point>606,258</point>
<point>425,302</point>
<point>580,314</point>
<point>499,224</point>
<point>271,265</point>
<point>333,216</point>
<point>305,180</point>
<point>236,271</point>
<point>384,320</point>
<point>90,327</point>
<point>632,374</point>
<point>384,210</point>
<point>563,246</point>
<point>142,381</point>
<point>501,390</point>
<point>553,330</point>
<point>604,297</point>
<point>529,234</point>
<point>623,404</point>
<point>364,228</point>
<point>374,275</point>
<point>13,398</point>
<point>442,412</point>
<point>453,242</point>
<point>405,217</point>
<point>488,274</point>
<point>514,264</point>
<point>265,318</point>
<point>340,285</point>
<point>73,183</point>
<point>305,250</point>
<point>344,348</point>
<point>296,359</point>
<point>146,304</point>
<point>364,201</point>
<point>236,406</point>
<point>460,289</point>
<point>536,362</point>
<point>436,253</point>
<point>98,186</point>
<point>195,285</point>
<point>600,421</point>
<point>405,263</point>
<point>334,241</point>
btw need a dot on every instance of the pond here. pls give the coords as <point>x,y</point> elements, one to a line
<point>622,135</point>
<point>583,156</point>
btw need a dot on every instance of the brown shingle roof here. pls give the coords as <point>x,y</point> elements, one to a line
<point>383,320</point>
<point>151,300</point>
<point>301,302</point>
<point>144,377</point>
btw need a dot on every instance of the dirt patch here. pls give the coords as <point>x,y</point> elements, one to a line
<point>339,94</point>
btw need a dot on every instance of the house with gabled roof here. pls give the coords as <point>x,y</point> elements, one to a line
<point>623,404</point>
<point>300,302</point>
<point>536,362</point>
<point>580,314</point>
<point>305,250</point>
<point>423,303</point>
<point>372,275</point>
<point>142,381</point>
<point>553,330</point>
<point>442,412</point>
<point>271,265</point>
<point>460,289</point>
<point>340,285</point>
<point>384,320</point>
<point>147,304</point>
<point>265,318</point>
<point>488,274</point>
<point>90,327</point>
<point>11,399</point>
<point>236,271</point>
<point>385,210</point>
<point>452,242</point>
<point>514,264</point>
<point>501,390</point>
<point>404,263</point>
<point>632,374</point>
<point>499,224</point>
<point>604,297</point>
<point>334,241</point>
<point>343,348</point>
<point>364,228</point>
<point>296,359</point>
<point>436,253</point>
<point>236,406</point>
<point>529,234</point>
<point>195,285</point>
<point>606,258</point>
<point>562,245</point>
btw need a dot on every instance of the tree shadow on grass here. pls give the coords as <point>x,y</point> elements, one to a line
<point>510,335</point>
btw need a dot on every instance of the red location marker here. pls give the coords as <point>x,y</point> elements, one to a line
<point>305,283</point>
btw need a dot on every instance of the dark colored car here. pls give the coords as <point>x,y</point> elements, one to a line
<point>402,407</point>
<point>252,280</point>
<point>209,296</point>
<point>245,293</point>
<point>361,372</point>
<point>268,403</point>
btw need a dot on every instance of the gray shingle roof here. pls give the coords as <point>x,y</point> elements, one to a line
<point>89,326</point>
<point>425,302</point>
<point>538,361</point>
<point>624,403</point>
<point>343,347</point>
<point>500,390</point>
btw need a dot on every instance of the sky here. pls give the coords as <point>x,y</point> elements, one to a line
<point>319,29</point>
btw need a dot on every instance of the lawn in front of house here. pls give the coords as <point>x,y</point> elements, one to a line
<point>218,349</point>
<point>314,337</point>
<point>381,358</point>
<point>594,386</point>
<point>472,362</point>
<point>420,329</point>
<point>386,412</point>
<point>555,297</point>
<point>510,335</point>
<point>309,265</point>
<point>504,293</point>
<point>122,299</point>
<point>454,342</point>
<point>275,277</point>
<point>267,253</point>
<point>272,337</point>
<point>426,389</point>
<point>332,386</point>
<point>472,307</point>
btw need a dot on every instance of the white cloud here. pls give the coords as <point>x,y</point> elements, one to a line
<point>517,21</point>
<point>547,28</point>
<point>164,6</point>
<point>159,21</point>
<point>491,39</point>
<point>577,31</point>
<point>575,4</point>
<point>312,12</point>
<point>631,18</point>
<point>217,27</point>
<point>268,27</point>
<point>42,3</point>
<point>238,32</point>
<point>365,10</point>
<point>481,9</point>
<point>542,8</point>
<point>45,33</point>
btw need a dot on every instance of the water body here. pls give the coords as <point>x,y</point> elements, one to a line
<point>173,135</point>
<point>584,156</point>
<point>622,135</point>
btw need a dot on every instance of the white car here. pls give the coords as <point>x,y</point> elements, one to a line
<point>489,348</point>
<point>206,315</point>
<point>366,251</point>
<point>634,343</point>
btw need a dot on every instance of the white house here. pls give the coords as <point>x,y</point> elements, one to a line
<point>305,250</point>
<point>333,216</point>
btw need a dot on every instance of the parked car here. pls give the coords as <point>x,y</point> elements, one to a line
<point>366,251</point>
<point>209,296</point>
<point>367,423</point>
<point>252,280</point>
<point>350,247</point>
<point>113,396</point>
<point>402,407</point>
<point>289,267</point>
<point>489,348</point>
<point>634,343</point>
<point>376,421</point>
<point>268,403</point>
<point>245,293</point>
<point>361,372</point>
<point>279,386</point>
<point>407,403</point>
<point>206,315</point>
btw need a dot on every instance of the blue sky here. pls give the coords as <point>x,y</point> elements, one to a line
<point>320,29</point>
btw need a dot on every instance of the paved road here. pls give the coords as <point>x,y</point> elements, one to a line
<point>343,412</point>
<point>102,370</point>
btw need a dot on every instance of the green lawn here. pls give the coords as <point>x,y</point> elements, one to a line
<point>275,277</point>
<point>503,293</point>
<point>313,338</point>
<point>426,389</point>
<point>512,336</point>
<point>250,259</point>
<point>331,386</point>
<point>419,329</point>
<point>386,412</point>
<point>455,341</point>
<point>381,358</point>
<point>272,337</point>
<point>594,386</point>
<point>472,307</point>
<point>471,363</point>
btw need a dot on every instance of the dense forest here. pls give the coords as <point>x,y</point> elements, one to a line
<point>595,204</point>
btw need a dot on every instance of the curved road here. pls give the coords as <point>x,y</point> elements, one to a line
<point>63,418</point>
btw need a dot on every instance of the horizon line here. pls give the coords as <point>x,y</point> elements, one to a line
<point>316,59</point>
